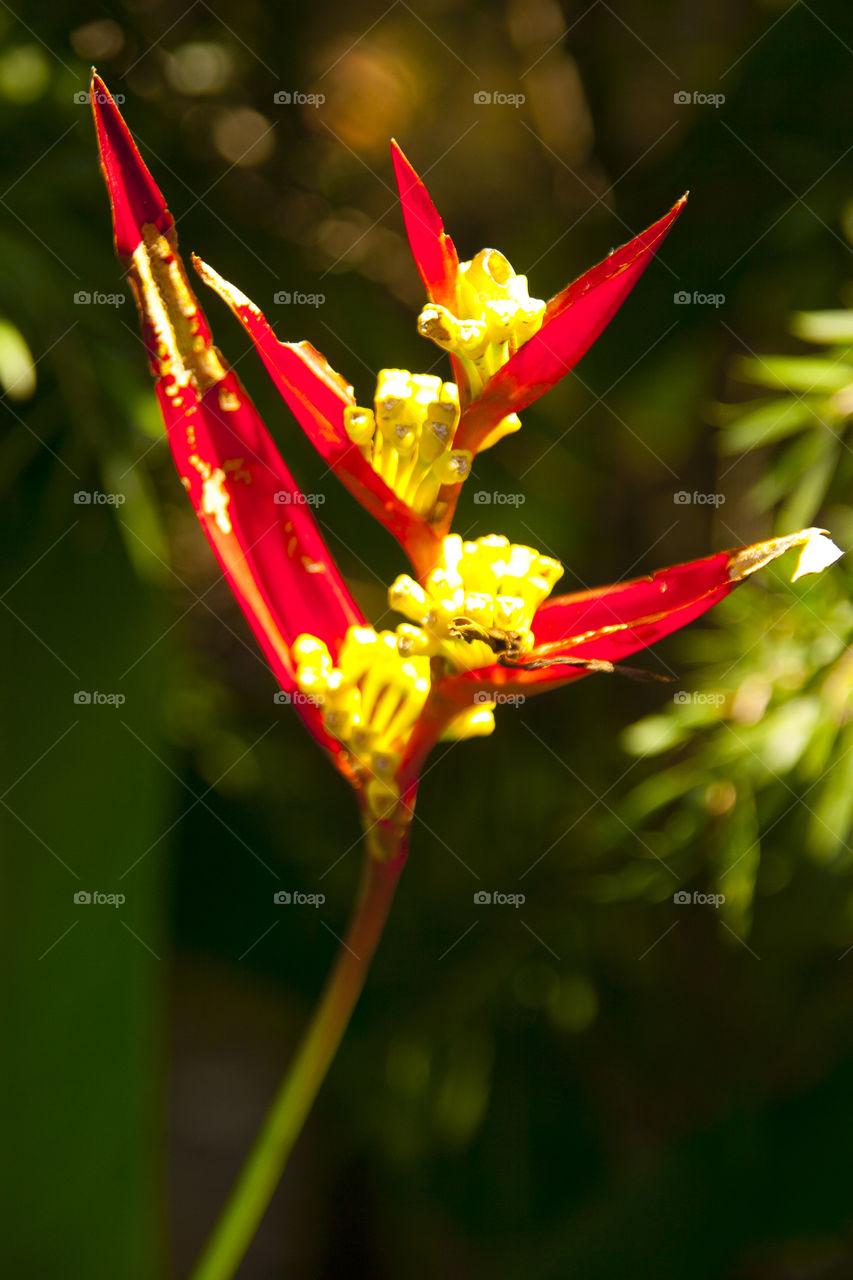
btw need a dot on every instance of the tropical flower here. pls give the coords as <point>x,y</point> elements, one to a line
<point>406,456</point>
<point>479,614</point>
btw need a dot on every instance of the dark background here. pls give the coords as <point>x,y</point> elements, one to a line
<point>597,1084</point>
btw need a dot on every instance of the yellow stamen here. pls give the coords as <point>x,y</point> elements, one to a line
<point>475,722</point>
<point>477,603</point>
<point>370,702</point>
<point>495,315</point>
<point>408,436</point>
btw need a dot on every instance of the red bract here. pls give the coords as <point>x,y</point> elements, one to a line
<point>249,505</point>
<point>595,630</point>
<point>573,320</point>
<point>523,363</point>
<point>317,397</point>
<point>433,250</point>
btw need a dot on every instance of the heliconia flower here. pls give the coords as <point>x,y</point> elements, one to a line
<point>508,348</point>
<point>357,694</point>
<point>479,614</point>
<point>406,455</point>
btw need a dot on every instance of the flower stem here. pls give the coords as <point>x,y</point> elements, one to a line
<point>265,1163</point>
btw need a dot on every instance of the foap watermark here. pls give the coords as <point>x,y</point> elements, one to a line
<point>500,699</point>
<point>83,98</point>
<point>489,898</point>
<point>483,498</point>
<point>684,298</point>
<point>297,699</point>
<point>83,298</point>
<point>682,498</point>
<point>93,698</point>
<point>286,898</point>
<point>683,898</point>
<point>684,98</point>
<point>284,498</point>
<point>95,498</point>
<point>699,699</point>
<point>96,899</point>
<point>495,98</point>
<point>293,298</point>
<point>296,98</point>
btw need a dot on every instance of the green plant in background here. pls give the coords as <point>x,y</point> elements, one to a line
<point>762,753</point>
<point>808,416</point>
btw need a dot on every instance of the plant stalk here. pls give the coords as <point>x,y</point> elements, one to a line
<point>265,1163</point>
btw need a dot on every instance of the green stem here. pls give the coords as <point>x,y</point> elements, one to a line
<point>265,1163</point>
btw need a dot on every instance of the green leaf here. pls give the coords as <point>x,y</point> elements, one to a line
<point>795,373</point>
<point>781,476</point>
<point>831,815</point>
<point>769,421</point>
<point>652,735</point>
<point>800,507</point>
<point>823,326</point>
<point>738,844</point>
<point>17,371</point>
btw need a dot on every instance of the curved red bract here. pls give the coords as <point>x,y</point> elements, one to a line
<point>608,624</point>
<point>574,318</point>
<point>317,396</point>
<point>255,517</point>
<point>432,249</point>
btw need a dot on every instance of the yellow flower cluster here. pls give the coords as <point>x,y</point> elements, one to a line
<point>370,702</point>
<point>494,316</point>
<point>477,603</point>
<point>408,436</point>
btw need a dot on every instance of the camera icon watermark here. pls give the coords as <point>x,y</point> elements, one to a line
<point>293,298</point>
<point>296,698</point>
<point>84,898</point>
<point>682,498</point>
<point>696,698</point>
<point>684,298</point>
<point>683,898</point>
<point>93,698</point>
<point>683,98</point>
<point>284,498</point>
<point>295,98</point>
<point>485,898</point>
<point>484,98</point>
<point>94,497</point>
<point>83,298</point>
<point>284,898</point>
<point>483,498</point>
<point>481,698</point>
<point>83,98</point>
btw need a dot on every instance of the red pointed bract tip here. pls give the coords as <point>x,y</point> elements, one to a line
<point>574,318</point>
<point>258,523</point>
<point>134,195</point>
<point>433,250</point>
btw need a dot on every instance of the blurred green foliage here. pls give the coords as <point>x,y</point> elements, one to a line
<point>600,1083</point>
